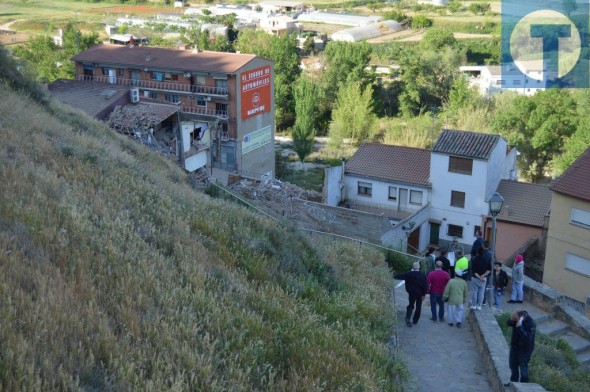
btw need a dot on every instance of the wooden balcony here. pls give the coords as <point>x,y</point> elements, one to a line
<point>221,92</point>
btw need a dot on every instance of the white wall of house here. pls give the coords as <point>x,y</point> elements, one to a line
<point>474,186</point>
<point>332,183</point>
<point>492,83</point>
<point>380,196</point>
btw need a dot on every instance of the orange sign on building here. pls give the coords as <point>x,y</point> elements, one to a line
<point>255,92</point>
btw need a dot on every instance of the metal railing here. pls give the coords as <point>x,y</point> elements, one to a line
<point>157,85</point>
<point>223,114</point>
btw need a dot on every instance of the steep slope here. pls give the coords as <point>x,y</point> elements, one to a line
<point>116,275</point>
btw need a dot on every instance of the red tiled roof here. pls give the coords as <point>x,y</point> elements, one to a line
<point>518,207</point>
<point>575,181</point>
<point>89,97</point>
<point>162,58</point>
<point>391,163</point>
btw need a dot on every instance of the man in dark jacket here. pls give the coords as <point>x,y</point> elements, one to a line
<point>522,345</point>
<point>416,287</point>
<point>500,280</point>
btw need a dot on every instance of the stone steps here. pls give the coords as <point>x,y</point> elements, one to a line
<point>552,327</point>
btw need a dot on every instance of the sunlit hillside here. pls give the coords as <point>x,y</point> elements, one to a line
<point>115,275</point>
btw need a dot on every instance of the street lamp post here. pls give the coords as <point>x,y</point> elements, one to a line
<point>495,204</point>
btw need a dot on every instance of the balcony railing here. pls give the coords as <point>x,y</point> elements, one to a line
<point>156,85</point>
<point>205,112</point>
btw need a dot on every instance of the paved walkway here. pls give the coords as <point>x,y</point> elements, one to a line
<point>439,357</point>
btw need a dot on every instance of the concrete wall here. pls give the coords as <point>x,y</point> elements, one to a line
<point>343,221</point>
<point>332,191</point>
<point>563,238</point>
<point>510,237</point>
<point>396,237</point>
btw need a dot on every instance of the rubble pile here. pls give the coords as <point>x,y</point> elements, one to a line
<point>273,194</point>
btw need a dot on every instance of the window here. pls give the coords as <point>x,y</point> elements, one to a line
<point>159,76</point>
<point>477,229</point>
<point>416,197</point>
<point>460,165</point>
<point>392,193</point>
<point>455,231</point>
<point>221,109</point>
<point>201,101</point>
<point>171,98</point>
<point>221,83</point>
<point>580,217</point>
<point>170,76</point>
<point>458,199</point>
<point>577,264</point>
<point>105,71</point>
<point>153,95</point>
<point>121,72</point>
<point>365,188</point>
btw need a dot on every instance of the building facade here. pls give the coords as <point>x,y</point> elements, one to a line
<point>567,261</point>
<point>228,97</point>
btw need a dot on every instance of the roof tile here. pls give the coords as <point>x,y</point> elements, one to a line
<point>391,163</point>
<point>466,144</point>
<point>517,202</point>
<point>575,181</point>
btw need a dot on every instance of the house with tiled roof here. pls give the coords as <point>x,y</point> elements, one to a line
<point>567,261</point>
<point>465,170</point>
<point>430,196</point>
<point>227,98</point>
<point>520,219</point>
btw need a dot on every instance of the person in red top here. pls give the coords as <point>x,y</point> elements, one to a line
<point>437,280</point>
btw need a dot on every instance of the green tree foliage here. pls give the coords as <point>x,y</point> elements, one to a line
<point>353,116</point>
<point>428,77</point>
<point>344,63</point>
<point>398,16</point>
<point>375,5</point>
<point>283,51</point>
<point>52,62</point>
<point>537,126</point>
<point>479,8</point>
<point>574,146</point>
<point>438,38</point>
<point>420,21</point>
<point>454,6</point>
<point>305,92</point>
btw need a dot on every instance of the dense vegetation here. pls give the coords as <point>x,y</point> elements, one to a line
<point>553,365</point>
<point>116,275</point>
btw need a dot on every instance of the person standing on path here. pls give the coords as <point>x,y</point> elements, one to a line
<point>437,281</point>
<point>517,281</point>
<point>446,263</point>
<point>456,294</point>
<point>416,287</point>
<point>500,280</point>
<point>462,264</point>
<point>522,345</point>
<point>480,268</point>
<point>478,243</point>
<point>429,261</point>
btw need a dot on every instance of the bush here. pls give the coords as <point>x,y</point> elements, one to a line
<point>420,22</point>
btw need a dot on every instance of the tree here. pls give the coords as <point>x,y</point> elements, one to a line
<point>574,147</point>
<point>398,16</point>
<point>52,62</point>
<point>537,126</point>
<point>428,77</point>
<point>305,92</point>
<point>344,63</point>
<point>420,22</point>
<point>283,51</point>
<point>374,5</point>
<point>479,8</point>
<point>437,39</point>
<point>353,116</point>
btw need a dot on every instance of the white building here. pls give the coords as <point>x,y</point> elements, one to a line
<point>280,6</point>
<point>280,25</point>
<point>373,30</point>
<point>492,79</point>
<point>440,193</point>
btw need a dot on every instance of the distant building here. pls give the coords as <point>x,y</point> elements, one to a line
<point>280,25</point>
<point>230,95</point>
<point>281,6</point>
<point>373,30</point>
<point>492,79</point>
<point>567,261</point>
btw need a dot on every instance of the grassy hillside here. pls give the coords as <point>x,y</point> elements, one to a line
<point>116,275</point>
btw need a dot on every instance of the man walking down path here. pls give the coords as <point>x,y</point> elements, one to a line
<point>522,345</point>
<point>517,281</point>
<point>456,294</point>
<point>480,268</point>
<point>437,281</point>
<point>416,287</point>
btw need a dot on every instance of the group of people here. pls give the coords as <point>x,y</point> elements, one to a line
<point>447,281</point>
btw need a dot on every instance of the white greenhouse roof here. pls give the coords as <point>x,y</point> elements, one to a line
<point>367,32</point>
<point>338,19</point>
